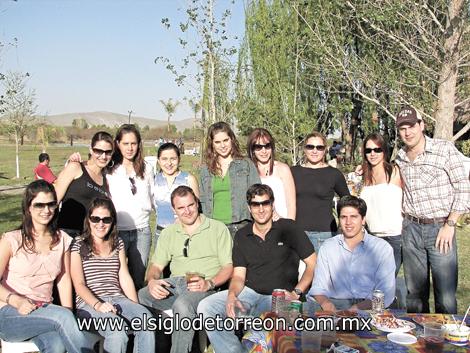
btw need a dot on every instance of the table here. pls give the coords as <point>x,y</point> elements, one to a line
<point>373,341</point>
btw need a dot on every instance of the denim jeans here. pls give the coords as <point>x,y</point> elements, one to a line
<point>52,328</point>
<point>395,243</point>
<point>419,256</point>
<point>116,340</point>
<point>214,305</point>
<point>137,245</point>
<point>183,303</point>
<point>317,238</point>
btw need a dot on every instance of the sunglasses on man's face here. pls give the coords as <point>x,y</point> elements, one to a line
<point>99,152</point>
<point>258,147</point>
<point>186,247</point>
<point>42,205</point>
<point>376,150</point>
<point>312,147</point>
<point>105,220</point>
<point>258,204</point>
<point>133,186</point>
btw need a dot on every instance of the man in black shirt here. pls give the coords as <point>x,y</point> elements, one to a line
<point>265,257</point>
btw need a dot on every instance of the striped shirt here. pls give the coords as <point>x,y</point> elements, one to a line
<point>435,183</point>
<point>101,273</point>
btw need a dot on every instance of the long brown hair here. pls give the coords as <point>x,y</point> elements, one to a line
<point>260,133</point>
<point>27,227</point>
<point>211,156</point>
<point>367,167</point>
<point>138,162</point>
<point>88,246</point>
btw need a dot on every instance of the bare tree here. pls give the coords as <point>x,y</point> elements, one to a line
<point>170,108</point>
<point>17,107</point>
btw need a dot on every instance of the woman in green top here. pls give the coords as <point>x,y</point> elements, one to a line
<point>225,178</point>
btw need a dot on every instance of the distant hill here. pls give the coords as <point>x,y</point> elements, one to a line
<point>113,119</point>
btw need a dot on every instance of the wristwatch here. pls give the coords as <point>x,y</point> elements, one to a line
<point>211,284</point>
<point>298,291</point>
<point>451,223</point>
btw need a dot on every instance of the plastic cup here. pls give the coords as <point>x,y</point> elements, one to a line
<point>433,337</point>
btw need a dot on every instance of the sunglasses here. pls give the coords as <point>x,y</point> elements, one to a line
<point>186,247</point>
<point>258,204</point>
<point>133,186</point>
<point>376,150</point>
<point>42,205</point>
<point>258,147</point>
<point>312,147</point>
<point>96,219</point>
<point>99,152</point>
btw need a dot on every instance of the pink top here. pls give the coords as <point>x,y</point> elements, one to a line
<point>32,275</point>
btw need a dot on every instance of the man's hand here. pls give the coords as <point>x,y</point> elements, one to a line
<point>105,307</point>
<point>157,288</point>
<point>444,239</point>
<point>328,306</point>
<point>198,284</point>
<point>292,296</point>
<point>230,306</point>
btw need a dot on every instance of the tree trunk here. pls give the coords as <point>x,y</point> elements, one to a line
<point>449,71</point>
<point>17,151</point>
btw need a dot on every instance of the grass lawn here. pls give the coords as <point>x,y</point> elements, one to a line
<point>10,204</point>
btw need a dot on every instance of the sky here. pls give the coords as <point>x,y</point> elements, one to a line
<point>98,55</point>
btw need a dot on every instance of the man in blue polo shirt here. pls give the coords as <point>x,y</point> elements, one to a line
<point>351,265</point>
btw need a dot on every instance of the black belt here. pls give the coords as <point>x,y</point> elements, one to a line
<point>437,220</point>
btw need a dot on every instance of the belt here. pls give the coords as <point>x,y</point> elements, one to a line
<point>425,220</point>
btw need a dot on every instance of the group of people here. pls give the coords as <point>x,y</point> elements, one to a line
<point>244,226</point>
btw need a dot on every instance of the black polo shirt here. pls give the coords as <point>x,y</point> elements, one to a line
<point>274,262</point>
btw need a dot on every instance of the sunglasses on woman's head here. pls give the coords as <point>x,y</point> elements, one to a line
<point>376,150</point>
<point>312,147</point>
<point>258,147</point>
<point>96,219</point>
<point>99,152</point>
<point>42,205</point>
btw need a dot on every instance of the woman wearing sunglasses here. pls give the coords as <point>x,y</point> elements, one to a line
<point>130,181</point>
<point>316,183</point>
<point>225,178</point>
<point>167,180</point>
<point>79,183</point>
<point>104,287</point>
<point>32,258</point>
<point>382,193</point>
<point>261,150</point>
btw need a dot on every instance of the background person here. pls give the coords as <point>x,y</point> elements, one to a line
<point>102,281</point>
<point>225,177</point>
<point>79,183</point>
<point>382,193</point>
<point>131,181</point>
<point>32,258</point>
<point>316,183</point>
<point>261,150</point>
<point>43,171</point>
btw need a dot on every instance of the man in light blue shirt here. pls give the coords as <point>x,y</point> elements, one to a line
<point>351,265</point>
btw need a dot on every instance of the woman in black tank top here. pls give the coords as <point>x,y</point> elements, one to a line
<point>79,183</point>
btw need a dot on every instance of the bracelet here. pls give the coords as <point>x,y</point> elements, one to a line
<point>7,299</point>
<point>95,304</point>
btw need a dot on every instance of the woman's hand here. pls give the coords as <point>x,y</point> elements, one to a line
<point>105,307</point>
<point>25,306</point>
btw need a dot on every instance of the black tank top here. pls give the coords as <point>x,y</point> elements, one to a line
<point>77,199</point>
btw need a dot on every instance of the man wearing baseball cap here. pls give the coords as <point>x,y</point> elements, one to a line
<point>436,191</point>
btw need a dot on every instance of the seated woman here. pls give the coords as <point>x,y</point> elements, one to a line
<point>102,281</point>
<point>31,259</point>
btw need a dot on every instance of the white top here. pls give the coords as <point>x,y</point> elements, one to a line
<point>280,203</point>
<point>384,202</point>
<point>133,211</point>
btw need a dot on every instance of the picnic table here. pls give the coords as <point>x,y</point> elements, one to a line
<point>373,341</point>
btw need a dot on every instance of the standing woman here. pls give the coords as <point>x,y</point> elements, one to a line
<point>130,181</point>
<point>225,178</point>
<point>261,149</point>
<point>167,180</point>
<point>316,183</point>
<point>32,258</point>
<point>79,183</point>
<point>382,193</point>
<point>104,287</point>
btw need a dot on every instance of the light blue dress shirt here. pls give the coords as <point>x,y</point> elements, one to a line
<point>344,274</point>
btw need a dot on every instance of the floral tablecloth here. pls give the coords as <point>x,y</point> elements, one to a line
<point>373,341</point>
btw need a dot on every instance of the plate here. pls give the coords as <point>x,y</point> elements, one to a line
<point>401,338</point>
<point>403,326</point>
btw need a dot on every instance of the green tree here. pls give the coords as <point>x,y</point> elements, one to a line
<point>170,109</point>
